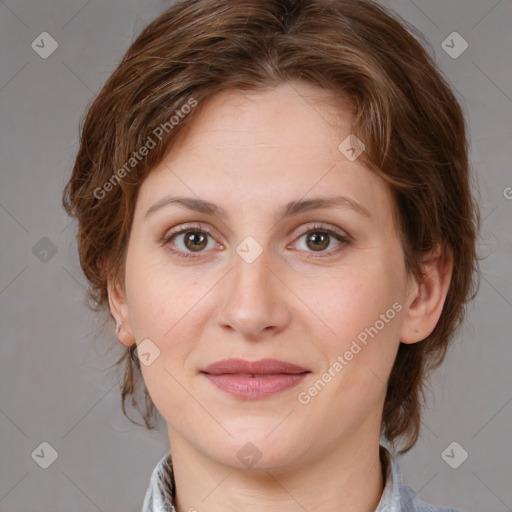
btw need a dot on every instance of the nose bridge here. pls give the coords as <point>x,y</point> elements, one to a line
<point>254,300</point>
<point>252,277</point>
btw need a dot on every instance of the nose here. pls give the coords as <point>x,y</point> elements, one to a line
<point>253,300</point>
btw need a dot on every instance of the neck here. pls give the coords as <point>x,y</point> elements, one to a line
<point>345,478</point>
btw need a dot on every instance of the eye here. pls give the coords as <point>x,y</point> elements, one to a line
<point>318,239</point>
<point>189,240</point>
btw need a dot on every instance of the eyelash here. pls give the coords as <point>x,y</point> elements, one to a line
<point>344,239</point>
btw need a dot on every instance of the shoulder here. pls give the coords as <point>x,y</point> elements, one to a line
<point>398,496</point>
<point>160,494</point>
<point>409,502</point>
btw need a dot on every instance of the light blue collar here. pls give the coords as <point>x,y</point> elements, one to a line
<point>396,496</point>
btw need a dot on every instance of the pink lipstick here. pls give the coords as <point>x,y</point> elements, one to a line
<point>253,380</point>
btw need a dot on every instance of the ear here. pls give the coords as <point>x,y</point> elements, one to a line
<point>426,297</point>
<point>120,312</point>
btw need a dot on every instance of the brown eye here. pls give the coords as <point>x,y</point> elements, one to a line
<point>189,241</point>
<point>318,241</point>
<point>195,240</point>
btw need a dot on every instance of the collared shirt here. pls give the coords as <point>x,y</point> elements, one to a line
<point>396,497</point>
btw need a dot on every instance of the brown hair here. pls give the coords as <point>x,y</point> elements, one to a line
<point>405,112</point>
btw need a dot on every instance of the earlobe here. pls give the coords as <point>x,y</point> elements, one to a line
<point>119,310</point>
<point>426,298</point>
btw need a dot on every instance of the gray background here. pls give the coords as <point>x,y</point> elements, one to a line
<point>54,354</point>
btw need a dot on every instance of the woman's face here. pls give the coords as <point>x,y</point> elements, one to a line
<point>264,272</point>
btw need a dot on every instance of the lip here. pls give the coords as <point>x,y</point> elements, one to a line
<point>254,379</point>
<point>260,367</point>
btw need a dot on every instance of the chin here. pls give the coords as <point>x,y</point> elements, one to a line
<point>253,449</point>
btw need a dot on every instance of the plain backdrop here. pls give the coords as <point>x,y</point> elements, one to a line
<point>55,385</point>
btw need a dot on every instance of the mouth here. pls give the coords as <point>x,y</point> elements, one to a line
<point>254,379</point>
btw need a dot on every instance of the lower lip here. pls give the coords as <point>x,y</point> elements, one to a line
<point>259,386</point>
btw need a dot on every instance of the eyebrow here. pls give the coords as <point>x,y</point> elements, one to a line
<point>290,209</point>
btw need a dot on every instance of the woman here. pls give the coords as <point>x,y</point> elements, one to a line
<point>274,205</point>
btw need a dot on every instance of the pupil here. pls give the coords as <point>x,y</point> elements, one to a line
<point>319,240</point>
<point>195,240</point>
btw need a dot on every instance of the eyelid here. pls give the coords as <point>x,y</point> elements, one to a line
<point>193,226</point>
<point>312,226</point>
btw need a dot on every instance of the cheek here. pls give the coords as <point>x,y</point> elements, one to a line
<point>157,296</point>
<point>166,308</point>
<point>351,302</point>
<point>163,308</point>
<point>362,309</point>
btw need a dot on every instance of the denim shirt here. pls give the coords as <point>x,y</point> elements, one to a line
<point>396,497</point>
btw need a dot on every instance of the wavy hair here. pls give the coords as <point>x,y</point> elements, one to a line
<point>405,112</point>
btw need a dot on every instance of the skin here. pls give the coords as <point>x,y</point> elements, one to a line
<point>251,153</point>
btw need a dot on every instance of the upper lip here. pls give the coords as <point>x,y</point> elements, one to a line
<point>262,366</point>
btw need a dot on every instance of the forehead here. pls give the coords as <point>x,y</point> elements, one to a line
<point>246,118</point>
<point>246,148</point>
